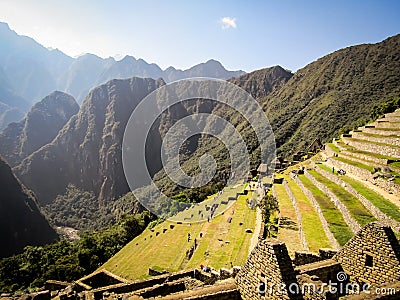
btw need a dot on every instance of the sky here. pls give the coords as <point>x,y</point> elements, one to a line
<point>246,35</point>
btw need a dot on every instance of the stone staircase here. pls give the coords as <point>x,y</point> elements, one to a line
<point>369,191</point>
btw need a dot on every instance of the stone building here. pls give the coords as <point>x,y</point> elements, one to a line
<point>365,267</point>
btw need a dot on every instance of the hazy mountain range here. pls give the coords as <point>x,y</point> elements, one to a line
<point>29,72</point>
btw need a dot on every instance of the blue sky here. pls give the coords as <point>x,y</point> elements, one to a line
<point>255,34</point>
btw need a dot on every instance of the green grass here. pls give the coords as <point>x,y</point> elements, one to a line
<point>312,226</point>
<point>355,207</point>
<point>380,202</point>
<point>354,163</point>
<point>333,147</point>
<point>337,224</point>
<point>167,250</point>
<point>288,228</point>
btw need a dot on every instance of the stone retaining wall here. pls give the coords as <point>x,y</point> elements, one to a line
<point>317,208</point>
<point>380,132</point>
<point>388,186</point>
<point>386,124</point>
<point>374,148</point>
<point>354,226</point>
<point>372,208</point>
<point>335,142</point>
<point>298,214</point>
<point>374,159</point>
<point>386,140</point>
<point>329,152</point>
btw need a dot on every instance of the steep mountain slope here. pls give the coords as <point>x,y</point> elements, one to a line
<point>262,82</point>
<point>39,127</point>
<point>87,151</point>
<point>336,90</point>
<point>21,222</point>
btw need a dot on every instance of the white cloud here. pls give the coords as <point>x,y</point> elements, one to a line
<point>228,22</point>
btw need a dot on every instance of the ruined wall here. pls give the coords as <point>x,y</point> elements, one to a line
<point>372,255</point>
<point>268,263</point>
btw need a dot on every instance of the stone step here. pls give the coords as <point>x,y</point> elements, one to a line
<point>364,156</point>
<point>396,113</point>
<point>391,118</point>
<point>380,131</point>
<point>381,123</point>
<point>373,147</point>
<point>390,140</point>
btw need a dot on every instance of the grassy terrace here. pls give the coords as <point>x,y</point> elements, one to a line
<point>235,242</point>
<point>380,202</point>
<point>376,143</point>
<point>355,150</point>
<point>379,136</point>
<point>333,147</point>
<point>312,226</point>
<point>165,247</point>
<point>355,207</point>
<point>337,225</point>
<point>288,228</point>
<point>354,163</point>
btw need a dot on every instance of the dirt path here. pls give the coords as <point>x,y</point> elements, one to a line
<point>257,229</point>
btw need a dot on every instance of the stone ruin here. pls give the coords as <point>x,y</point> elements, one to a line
<point>365,267</point>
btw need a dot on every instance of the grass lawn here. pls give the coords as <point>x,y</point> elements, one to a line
<point>167,249</point>
<point>312,226</point>
<point>226,242</point>
<point>333,216</point>
<point>355,207</point>
<point>288,231</point>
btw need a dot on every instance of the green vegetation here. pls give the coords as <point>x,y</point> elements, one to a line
<point>333,147</point>
<point>355,207</point>
<point>67,261</point>
<point>384,108</point>
<point>312,226</point>
<point>380,202</point>
<point>337,224</point>
<point>288,231</point>
<point>165,244</point>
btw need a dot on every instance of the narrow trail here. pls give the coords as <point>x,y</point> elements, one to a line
<point>257,229</point>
